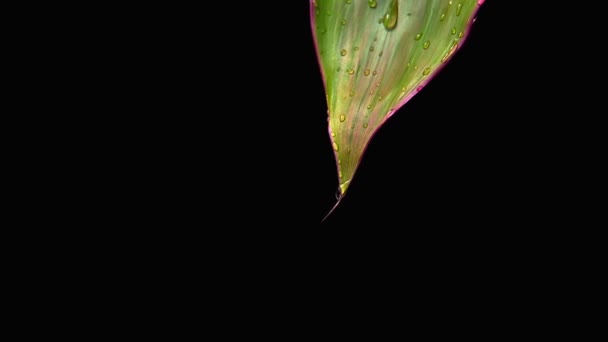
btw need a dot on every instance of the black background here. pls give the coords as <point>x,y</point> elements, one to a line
<point>211,160</point>
<point>198,157</point>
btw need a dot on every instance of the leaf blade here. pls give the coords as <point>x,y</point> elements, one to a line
<point>374,57</point>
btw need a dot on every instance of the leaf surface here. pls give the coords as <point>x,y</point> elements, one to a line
<point>374,56</point>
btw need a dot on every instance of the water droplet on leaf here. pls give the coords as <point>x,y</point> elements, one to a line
<point>391,16</point>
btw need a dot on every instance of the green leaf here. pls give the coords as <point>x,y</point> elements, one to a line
<point>374,56</point>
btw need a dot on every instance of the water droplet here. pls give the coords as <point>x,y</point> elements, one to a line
<point>381,53</point>
<point>371,48</point>
<point>339,162</point>
<point>426,71</point>
<point>323,30</point>
<point>342,118</point>
<point>458,9</point>
<point>333,134</point>
<point>390,18</point>
<point>340,174</point>
<point>352,93</point>
<point>454,45</point>
<point>366,72</point>
<point>343,52</point>
<point>374,73</point>
<point>372,3</point>
<point>450,2</point>
<point>461,34</point>
<point>377,84</point>
<point>314,3</point>
<point>403,90</point>
<point>418,36</point>
<point>348,149</point>
<point>442,17</point>
<point>343,22</point>
<point>350,71</point>
<point>453,48</point>
<point>369,106</point>
<point>365,125</point>
<point>426,44</point>
<point>453,31</point>
<point>349,1</point>
<point>336,147</point>
<point>380,98</point>
<point>356,48</point>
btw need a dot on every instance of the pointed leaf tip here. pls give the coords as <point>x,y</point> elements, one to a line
<point>375,56</point>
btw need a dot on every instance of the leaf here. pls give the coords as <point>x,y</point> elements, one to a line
<point>374,56</point>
